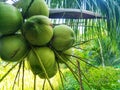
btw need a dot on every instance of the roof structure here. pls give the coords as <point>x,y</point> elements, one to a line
<point>73,14</point>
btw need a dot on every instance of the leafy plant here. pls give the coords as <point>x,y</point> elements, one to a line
<point>70,83</point>
<point>103,78</point>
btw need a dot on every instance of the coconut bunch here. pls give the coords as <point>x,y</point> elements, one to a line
<point>27,32</point>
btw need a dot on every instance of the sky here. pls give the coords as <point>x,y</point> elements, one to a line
<point>9,1</point>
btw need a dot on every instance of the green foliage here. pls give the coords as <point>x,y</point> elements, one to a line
<point>100,51</point>
<point>103,78</point>
<point>70,83</point>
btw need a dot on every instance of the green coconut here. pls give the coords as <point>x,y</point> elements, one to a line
<point>63,37</point>
<point>50,72</point>
<point>38,7</point>
<point>38,30</point>
<point>10,19</point>
<point>47,58</point>
<point>13,47</point>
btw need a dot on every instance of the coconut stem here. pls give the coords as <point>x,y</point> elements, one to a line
<point>28,8</point>
<point>44,84</point>
<point>6,64</point>
<point>23,75</point>
<point>71,62</point>
<point>61,78</point>
<point>8,71</point>
<point>82,42</point>
<point>86,80</point>
<point>17,75</point>
<point>43,68</point>
<point>82,59</point>
<point>74,74</point>
<point>80,76</point>
<point>34,82</point>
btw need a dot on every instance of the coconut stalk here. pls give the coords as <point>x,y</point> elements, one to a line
<point>44,84</point>
<point>81,59</point>
<point>17,75</point>
<point>8,71</point>
<point>23,74</point>
<point>6,64</point>
<point>61,75</point>
<point>34,82</point>
<point>13,67</point>
<point>74,74</point>
<point>28,8</point>
<point>80,76</point>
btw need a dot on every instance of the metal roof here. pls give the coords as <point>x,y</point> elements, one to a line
<point>73,14</point>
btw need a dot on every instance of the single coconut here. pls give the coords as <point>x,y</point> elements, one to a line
<point>13,47</point>
<point>50,72</point>
<point>10,19</point>
<point>63,37</point>
<point>38,30</point>
<point>29,8</point>
<point>46,56</point>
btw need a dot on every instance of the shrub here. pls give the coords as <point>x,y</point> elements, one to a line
<point>104,78</point>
